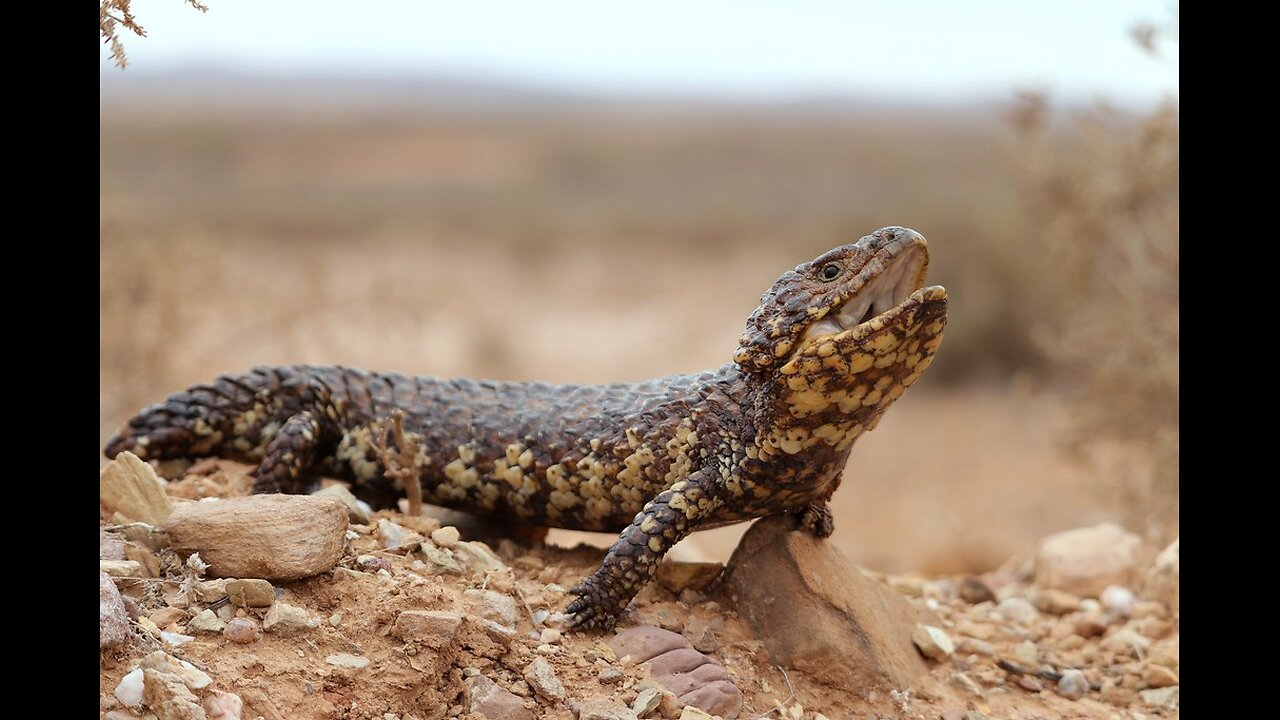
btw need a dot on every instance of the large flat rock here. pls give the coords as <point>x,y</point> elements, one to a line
<point>817,612</point>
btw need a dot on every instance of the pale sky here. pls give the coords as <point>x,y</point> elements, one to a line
<point>933,50</point>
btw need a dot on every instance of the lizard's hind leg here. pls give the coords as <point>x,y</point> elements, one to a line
<point>290,455</point>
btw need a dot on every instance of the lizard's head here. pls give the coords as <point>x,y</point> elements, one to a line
<point>851,295</point>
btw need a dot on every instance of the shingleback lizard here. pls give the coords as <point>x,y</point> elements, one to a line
<point>832,344</point>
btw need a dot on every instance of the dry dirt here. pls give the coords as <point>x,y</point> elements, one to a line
<point>357,605</point>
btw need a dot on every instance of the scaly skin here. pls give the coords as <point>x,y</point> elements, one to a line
<point>769,433</point>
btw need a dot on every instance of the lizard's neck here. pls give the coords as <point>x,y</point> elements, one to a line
<point>836,388</point>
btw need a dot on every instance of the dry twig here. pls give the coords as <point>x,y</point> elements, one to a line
<point>404,463</point>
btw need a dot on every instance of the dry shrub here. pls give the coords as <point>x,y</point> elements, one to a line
<point>115,14</point>
<point>1104,191</point>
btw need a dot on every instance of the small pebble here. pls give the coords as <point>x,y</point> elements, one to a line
<point>932,642</point>
<point>973,645</point>
<point>966,682</point>
<point>175,639</point>
<point>1030,684</point>
<point>1016,609</point>
<point>1073,685</point>
<point>222,706</point>
<point>1026,653</point>
<point>251,592</point>
<point>285,619</point>
<point>242,631</point>
<point>610,675</point>
<point>549,636</point>
<point>129,691</point>
<point>1089,624</point>
<point>206,621</point>
<point>347,661</point>
<point>1119,600</point>
<point>446,537</point>
<point>1125,640</point>
<point>1158,676</point>
<point>1161,697</point>
<point>1057,602</point>
<point>973,591</point>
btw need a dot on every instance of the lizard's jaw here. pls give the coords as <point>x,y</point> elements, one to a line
<point>889,290</point>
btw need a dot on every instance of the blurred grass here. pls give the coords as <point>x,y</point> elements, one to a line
<point>780,183</point>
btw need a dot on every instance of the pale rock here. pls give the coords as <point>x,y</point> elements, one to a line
<point>542,678</point>
<point>603,709</point>
<point>1158,676</point>
<point>493,605</point>
<point>166,616</point>
<point>192,677</point>
<point>113,619</point>
<point>1016,610</point>
<point>110,547</point>
<point>175,639</point>
<point>1119,600</point>
<point>220,705</point>
<point>121,568</point>
<point>446,537</point>
<point>206,621</point>
<point>1026,653</point>
<point>168,697</point>
<point>210,591</point>
<point>477,556</point>
<point>646,702</point>
<point>1056,602</point>
<point>488,700</point>
<point>1166,697</point>
<point>275,537</point>
<point>440,560</point>
<point>129,486</point>
<point>251,592</point>
<point>1125,640</point>
<point>129,691</point>
<point>435,629</point>
<point>285,619</point>
<point>1073,685</point>
<point>1084,561</point>
<point>357,512</point>
<point>933,642</point>
<point>347,661</point>
<point>394,536</point>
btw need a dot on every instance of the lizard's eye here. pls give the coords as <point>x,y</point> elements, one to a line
<point>830,271</point>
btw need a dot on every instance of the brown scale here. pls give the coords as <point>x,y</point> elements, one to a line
<point>768,433</point>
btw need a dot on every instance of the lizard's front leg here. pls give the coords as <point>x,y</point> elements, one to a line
<point>289,455</point>
<point>633,559</point>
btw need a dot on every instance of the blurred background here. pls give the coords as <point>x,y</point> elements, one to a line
<point>574,192</point>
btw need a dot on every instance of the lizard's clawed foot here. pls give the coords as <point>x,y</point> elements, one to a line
<point>817,520</point>
<point>591,610</point>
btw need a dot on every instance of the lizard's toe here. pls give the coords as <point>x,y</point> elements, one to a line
<point>818,520</point>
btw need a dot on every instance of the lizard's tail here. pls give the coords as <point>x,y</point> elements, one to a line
<point>199,421</point>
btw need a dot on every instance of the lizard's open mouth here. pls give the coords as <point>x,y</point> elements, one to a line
<point>896,282</point>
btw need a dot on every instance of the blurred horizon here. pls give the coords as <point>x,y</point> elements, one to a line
<point>981,52</point>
